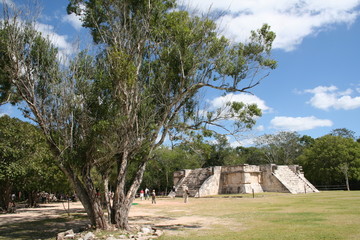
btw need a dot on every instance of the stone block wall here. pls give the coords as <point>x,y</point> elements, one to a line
<point>211,186</point>
<point>242,179</point>
<point>269,182</point>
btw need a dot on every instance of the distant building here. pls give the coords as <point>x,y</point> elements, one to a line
<point>242,179</point>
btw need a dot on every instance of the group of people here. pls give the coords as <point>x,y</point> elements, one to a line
<point>145,194</point>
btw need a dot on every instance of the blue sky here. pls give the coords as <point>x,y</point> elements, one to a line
<point>316,87</point>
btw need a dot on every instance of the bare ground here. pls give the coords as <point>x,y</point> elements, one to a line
<point>49,219</point>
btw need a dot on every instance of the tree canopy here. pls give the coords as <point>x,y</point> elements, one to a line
<point>26,162</point>
<point>330,159</point>
<point>112,109</point>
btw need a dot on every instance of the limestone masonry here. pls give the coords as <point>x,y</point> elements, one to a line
<point>242,179</point>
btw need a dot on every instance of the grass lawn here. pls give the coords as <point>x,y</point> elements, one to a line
<point>325,215</point>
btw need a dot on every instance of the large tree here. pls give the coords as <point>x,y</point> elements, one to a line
<point>332,160</point>
<point>25,162</point>
<point>114,109</point>
<point>281,148</point>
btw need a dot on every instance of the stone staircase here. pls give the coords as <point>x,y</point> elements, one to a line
<point>193,181</point>
<point>294,182</point>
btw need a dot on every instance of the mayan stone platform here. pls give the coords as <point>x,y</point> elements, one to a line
<point>242,179</point>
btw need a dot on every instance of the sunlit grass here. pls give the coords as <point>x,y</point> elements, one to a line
<point>325,215</point>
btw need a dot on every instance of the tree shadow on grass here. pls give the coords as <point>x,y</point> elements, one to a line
<point>175,227</point>
<point>44,226</point>
<point>170,226</point>
<point>40,229</point>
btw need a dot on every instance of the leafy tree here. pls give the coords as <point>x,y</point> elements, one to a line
<point>330,159</point>
<point>221,153</point>
<point>24,162</point>
<point>252,155</point>
<point>343,132</point>
<point>159,172</point>
<point>280,148</point>
<point>306,141</point>
<point>112,111</point>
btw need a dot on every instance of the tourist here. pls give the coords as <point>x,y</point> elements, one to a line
<point>13,197</point>
<point>147,194</point>
<point>153,197</point>
<point>186,193</point>
<point>142,194</point>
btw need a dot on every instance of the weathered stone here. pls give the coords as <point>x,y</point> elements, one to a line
<point>89,236</point>
<point>158,232</point>
<point>146,230</point>
<point>69,232</point>
<point>69,236</point>
<point>60,236</point>
<point>242,179</point>
<point>111,238</point>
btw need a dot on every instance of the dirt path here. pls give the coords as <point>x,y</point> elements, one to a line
<point>49,219</point>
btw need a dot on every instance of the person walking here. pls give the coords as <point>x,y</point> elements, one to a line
<point>186,193</point>
<point>142,194</point>
<point>153,197</point>
<point>147,193</point>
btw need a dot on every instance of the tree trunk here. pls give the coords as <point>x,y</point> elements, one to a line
<point>121,214</point>
<point>107,197</point>
<point>347,181</point>
<point>33,198</point>
<point>88,197</point>
<point>122,201</point>
<point>5,191</point>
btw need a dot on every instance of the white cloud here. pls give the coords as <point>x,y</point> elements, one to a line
<point>299,123</point>
<point>244,142</point>
<point>73,20</point>
<point>59,41</point>
<point>292,20</point>
<point>330,97</point>
<point>260,128</point>
<point>242,97</point>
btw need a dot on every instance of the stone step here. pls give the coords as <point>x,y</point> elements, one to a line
<point>193,181</point>
<point>291,180</point>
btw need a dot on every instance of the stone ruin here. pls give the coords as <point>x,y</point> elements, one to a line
<point>242,179</point>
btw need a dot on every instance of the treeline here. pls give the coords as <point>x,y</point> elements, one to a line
<point>27,165</point>
<point>333,159</point>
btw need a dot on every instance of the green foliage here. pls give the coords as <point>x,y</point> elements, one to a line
<point>112,110</point>
<point>7,91</point>
<point>26,164</point>
<point>323,160</point>
<point>280,148</point>
<point>159,172</point>
<point>343,132</point>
